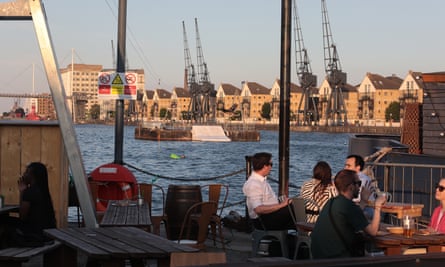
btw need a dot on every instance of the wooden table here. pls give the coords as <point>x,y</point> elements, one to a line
<point>126,213</point>
<point>8,209</point>
<point>402,209</point>
<point>394,244</point>
<point>111,246</point>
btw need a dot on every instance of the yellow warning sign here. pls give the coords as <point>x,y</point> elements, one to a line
<point>117,80</point>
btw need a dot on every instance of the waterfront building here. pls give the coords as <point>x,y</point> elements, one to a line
<point>228,102</point>
<point>410,91</point>
<point>254,96</point>
<point>161,101</point>
<point>80,83</point>
<point>375,94</point>
<point>348,99</point>
<point>45,107</point>
<point>180,102</point>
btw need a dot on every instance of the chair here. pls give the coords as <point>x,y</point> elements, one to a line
<point>214,194</point>
<point>260,234</point>
<point>298,213</point>
<point>147,194</point>
<point>180,259</point>
<point>201,212</point>
<point>94,187</point>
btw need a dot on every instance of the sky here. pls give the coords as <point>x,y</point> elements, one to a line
<point>240,39</point>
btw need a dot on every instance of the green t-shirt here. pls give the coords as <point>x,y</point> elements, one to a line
<point>349,218</point>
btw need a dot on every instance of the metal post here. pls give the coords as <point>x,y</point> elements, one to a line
<point>248,172</point>
<point>120,68</point>
<point>286,17</point>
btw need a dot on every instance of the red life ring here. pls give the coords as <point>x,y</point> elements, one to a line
<point>126,190</point>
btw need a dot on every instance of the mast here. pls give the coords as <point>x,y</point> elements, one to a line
<point>192,85</point>
<point>286,18</point>
<point>120,68</point>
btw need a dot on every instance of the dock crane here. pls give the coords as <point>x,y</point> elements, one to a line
<point>190,84</point>
<point>207,89</point>
<point>335,106</point>
<point>304,72</point>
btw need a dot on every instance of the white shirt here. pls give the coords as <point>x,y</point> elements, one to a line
<point>365,179</point>
<point>258,192</point>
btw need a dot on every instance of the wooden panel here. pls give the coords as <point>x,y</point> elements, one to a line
<point>22,143</point>
<point>10,163</point>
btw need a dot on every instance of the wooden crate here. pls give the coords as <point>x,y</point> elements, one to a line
<point>23,142</point>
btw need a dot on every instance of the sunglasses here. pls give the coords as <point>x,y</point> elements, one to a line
<point>440,188</point>
<point>269,164</point>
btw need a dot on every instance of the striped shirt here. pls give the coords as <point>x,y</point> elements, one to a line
<point>317,202</point>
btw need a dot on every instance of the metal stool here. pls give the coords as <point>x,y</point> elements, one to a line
<point>280,235</point>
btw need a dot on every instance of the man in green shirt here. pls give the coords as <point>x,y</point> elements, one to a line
<point>341,218</point>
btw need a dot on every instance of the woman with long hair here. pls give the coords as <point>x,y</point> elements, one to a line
<point>36,211</point>
<point>318,190</point>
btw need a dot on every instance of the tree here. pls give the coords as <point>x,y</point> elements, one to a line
<point>95,111</point>
<point>265,111</point>
<point>392,112</point>
<point>164,114</point>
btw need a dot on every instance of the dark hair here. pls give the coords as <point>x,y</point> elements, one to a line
<point>260,159</point>
<point>358,161</point>
<point>322,171</point>
<point>39,175</point>
<point>344,178</point>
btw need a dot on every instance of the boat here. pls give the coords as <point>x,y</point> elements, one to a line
<point>156,131</point>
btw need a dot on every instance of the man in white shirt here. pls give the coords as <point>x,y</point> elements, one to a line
<point>261,200</point>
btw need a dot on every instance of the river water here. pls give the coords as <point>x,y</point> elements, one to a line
<point>204,160</point>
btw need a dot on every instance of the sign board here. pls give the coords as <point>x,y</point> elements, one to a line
<point>117,85</point>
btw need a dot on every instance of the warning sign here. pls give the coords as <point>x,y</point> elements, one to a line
<point>117,85</point>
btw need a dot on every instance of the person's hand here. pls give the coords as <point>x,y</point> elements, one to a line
<point>22,184</point>
<point>380,200</point>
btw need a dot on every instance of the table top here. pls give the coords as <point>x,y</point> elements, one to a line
<point>9,208</point>
<point>126,213</point>
<point>117,242</point>
<point>401,209</point>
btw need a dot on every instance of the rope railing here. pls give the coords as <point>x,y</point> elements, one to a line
<point>184,178</point>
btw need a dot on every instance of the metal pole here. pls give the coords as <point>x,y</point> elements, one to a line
<point>286,16</point>
<point>120,68</point>
<point>248,172</point>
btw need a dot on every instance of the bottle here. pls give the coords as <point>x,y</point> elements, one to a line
<point>140,198</point>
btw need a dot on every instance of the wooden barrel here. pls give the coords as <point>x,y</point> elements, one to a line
<point>179,199</point>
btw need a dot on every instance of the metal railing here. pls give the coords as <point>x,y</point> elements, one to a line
<point>410,183</point>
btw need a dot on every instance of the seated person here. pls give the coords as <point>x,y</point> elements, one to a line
<point>437,222</point>
<point>318,190</point>
<point>36,211</point>
<point>339,221</point>
<point>261,199</point>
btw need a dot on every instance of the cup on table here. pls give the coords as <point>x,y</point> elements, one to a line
<point>387,195</point>
<point>408,226</point>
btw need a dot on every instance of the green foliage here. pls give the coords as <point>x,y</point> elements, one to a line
<point>392,112</point>
<point>265,111</point>
<point>164,114</point>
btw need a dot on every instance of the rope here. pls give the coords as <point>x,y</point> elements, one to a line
<point>184,178</point>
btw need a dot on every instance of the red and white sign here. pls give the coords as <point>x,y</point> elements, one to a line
<point>117,85</point>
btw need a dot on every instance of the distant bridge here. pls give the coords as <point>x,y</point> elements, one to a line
<point>77,96</point>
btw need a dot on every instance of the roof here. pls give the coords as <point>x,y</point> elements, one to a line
<point>230,89</point>
<point>380,82</point>
<point>181,92</point>
<point>163,94</point>
<point>257,89</point>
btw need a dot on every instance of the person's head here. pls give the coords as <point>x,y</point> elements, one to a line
<point>347,183</point>
<point>355,163</point>
<point>322,171</point>
<point>262,162</point>
<point>36,173</point>
<point>440,190</point>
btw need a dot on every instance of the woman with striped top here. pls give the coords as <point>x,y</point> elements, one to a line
<point>318,190</point>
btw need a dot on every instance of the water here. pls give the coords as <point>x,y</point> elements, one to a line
<point>209,159</point>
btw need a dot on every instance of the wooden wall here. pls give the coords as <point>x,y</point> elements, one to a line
<point>434,125</point>
<point>23,142</point>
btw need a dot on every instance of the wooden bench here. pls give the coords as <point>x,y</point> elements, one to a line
<point>15,256</point>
